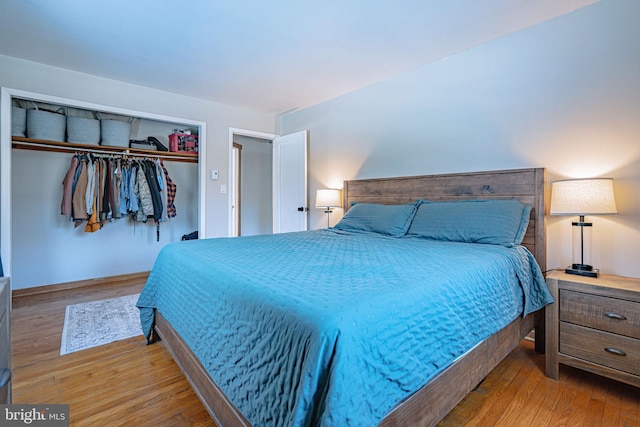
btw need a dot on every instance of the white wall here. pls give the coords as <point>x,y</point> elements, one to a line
<point>32,77</point>
<point>564,95</point>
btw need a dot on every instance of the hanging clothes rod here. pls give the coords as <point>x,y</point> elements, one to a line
<point>115,151</point>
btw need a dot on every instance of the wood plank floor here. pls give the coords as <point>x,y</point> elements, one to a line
<point>123,383</point>
<point>130,383</point>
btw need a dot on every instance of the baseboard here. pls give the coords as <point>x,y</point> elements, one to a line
<point>38,290</point>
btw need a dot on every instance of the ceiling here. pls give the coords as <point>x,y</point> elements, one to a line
<point>273,56</point>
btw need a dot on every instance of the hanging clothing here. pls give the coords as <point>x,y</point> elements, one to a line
<point>145,202</point>
<point>97,206</point>
<point>91,176</point>
<point>124,190</point>
<point>93,223</point>
<point>171,194</point>
<point>98,189</point>
<point>133,185</point>
<point>117,182</point>
<point>67,192</point>
<point>76,176</point>
<point>154,188</point>
<point>79,201</point>
<point>105,211</point>
<point>163,190</point>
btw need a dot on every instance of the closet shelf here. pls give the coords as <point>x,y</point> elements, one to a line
<point>65,147</point>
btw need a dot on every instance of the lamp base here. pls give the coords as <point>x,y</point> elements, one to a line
<point>582,270</point>
<point>328,212</point>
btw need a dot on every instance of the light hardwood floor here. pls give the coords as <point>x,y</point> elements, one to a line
<point>130,383</point>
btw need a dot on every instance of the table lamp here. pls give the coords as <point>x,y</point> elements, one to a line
<point>582,197</point>
<point>328,198</point>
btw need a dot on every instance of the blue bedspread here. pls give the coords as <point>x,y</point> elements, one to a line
<point>334,328</point>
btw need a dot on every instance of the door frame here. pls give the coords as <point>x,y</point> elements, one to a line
<point>236,193</point>
<point>243,132</point>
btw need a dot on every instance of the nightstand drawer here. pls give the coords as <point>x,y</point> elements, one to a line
<point>600,347</point>
<point>608,314</point>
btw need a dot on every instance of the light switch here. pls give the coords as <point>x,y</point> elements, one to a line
<point>223,189</point>
<point>214,174</point>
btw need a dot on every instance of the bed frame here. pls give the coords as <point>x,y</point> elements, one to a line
<point>433,401</point>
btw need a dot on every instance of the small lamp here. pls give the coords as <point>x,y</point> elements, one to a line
<point>328,198</point>
<point>582,197</point>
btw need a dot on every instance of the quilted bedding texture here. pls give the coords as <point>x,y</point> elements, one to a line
<point>334,328</point>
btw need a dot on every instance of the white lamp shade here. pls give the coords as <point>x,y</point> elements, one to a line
<point>583,197</point>
<point>328,198</point>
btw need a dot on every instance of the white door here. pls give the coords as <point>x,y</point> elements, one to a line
<point>290,183</point>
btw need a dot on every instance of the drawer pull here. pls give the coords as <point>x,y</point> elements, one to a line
<point>612,315</point>
<point>614,350</point>
<point>5,376</point>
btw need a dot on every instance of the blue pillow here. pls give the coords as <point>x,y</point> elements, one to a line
<point>495,222</point>
<point>393,220</point>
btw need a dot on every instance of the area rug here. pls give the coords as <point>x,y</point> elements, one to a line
<point>95,323</point>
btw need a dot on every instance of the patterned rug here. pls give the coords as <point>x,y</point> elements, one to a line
<point>91,324</point>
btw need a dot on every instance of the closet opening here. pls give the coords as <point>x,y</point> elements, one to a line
<point>31,224</point>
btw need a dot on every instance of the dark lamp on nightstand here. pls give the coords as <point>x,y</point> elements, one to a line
<point>582,197</point>
<point>327,199</point>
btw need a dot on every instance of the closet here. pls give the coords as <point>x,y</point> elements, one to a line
<point>41,246</point>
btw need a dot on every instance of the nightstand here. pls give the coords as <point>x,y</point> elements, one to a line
<point>594,324</point>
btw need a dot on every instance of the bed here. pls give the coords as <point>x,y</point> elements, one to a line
<point>340,326</point>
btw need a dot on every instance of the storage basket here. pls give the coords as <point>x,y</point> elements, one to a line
<point>115,132</point>
<point>46,125</point>
<point>18,121</point>
<point>81,130</point>
<point>183,142</point>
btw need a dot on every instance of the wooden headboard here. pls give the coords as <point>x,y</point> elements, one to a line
<point>525,185</point>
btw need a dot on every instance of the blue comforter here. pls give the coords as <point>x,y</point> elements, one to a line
<point>330,327</point>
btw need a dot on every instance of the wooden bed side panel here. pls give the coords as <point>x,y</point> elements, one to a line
<point>222,411</point>
<point>435,400</point>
